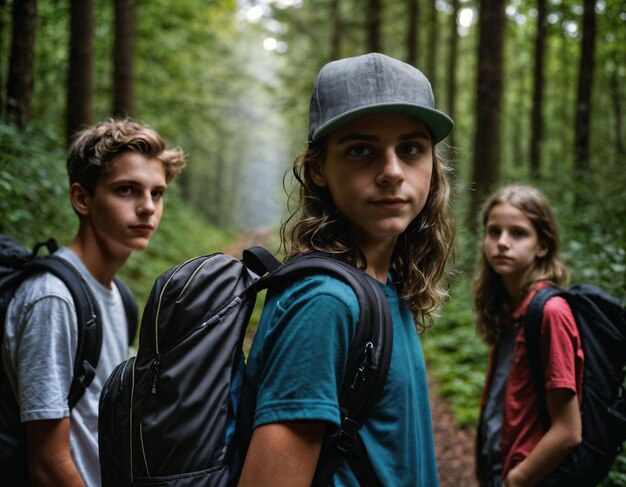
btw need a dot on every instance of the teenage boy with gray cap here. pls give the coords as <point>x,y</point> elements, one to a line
<point>374,193</point>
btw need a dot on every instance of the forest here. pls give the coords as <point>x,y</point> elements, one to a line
<point>536,89</point>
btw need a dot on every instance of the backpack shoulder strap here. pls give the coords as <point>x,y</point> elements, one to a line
<point>130,308</point>
<point>89,327</point>
<point>369,356</point>
<point>532,332</point>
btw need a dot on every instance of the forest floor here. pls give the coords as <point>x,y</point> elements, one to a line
<point>454,446</point>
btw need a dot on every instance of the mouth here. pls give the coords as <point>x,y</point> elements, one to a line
<point>502,257</point>
<point>390,203</point>
<point>143,229</point>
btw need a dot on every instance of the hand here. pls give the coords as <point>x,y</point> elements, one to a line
<point>515,479</point>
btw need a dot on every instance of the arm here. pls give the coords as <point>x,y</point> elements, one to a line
<point>283,455</point>
<point>564,434</point>
<point>49,460</point>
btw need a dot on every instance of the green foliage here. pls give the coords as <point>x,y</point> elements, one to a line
<point>33,184</point>
<point>456,357</point>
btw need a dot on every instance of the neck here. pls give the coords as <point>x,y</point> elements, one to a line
<point>378,259</point>
<point>99,261</point>
<point>514,289</point>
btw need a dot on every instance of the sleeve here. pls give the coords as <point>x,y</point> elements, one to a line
<point>561,347</point>
<point>43,359</point>
<point>304,352</point>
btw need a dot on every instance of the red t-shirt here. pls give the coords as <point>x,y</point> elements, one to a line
<point>562,359</point>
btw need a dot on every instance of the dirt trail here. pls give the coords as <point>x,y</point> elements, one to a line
<point>454,446</point>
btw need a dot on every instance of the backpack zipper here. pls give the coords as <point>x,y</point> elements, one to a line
<point>156,366</point>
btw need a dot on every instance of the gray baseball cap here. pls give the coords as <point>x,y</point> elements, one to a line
<point>355,87</point>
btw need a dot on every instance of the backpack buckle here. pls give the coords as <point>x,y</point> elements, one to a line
<point>347,434</point>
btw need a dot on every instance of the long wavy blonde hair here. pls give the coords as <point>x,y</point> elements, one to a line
<point>492,306</point>
<point>422,253</point>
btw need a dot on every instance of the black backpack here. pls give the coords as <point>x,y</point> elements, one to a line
<point>601,322</point>
<point>170,416</point>
<point>16,264</point>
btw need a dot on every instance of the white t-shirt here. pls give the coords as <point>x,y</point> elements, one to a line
<point>38,354</point>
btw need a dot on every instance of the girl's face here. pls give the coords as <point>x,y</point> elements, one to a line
<point>378,171</point>
<point>511,245</point>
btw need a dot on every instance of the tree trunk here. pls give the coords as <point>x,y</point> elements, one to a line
<point>537,112</point>
<point>452,61</point>
<point>335,40</point>
<point>123,56</point>
<point>585,79</point>
<point>412,39</point>
<point>80,79</point>
<point>486,165</point>
<point>3,65</point>
<point>20,81</point>
<point>433,44</point>
<point>617,102</point>
<point>373,26</point>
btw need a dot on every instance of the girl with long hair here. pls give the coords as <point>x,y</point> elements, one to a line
<point>519,256</point>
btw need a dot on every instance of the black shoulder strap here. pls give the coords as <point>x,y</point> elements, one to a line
<point>89,328</point>
<point>369,357</point>
<point>532,331</point>
<point>130,309</point>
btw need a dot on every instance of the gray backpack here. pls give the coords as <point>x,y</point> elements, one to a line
<point>179,414</point>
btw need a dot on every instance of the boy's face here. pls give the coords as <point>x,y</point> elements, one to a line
<point>378,171</point>
<point>126,207</point>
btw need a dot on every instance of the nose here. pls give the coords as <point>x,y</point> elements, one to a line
<point>146,204</point>
<point>391,172</point>
<point>503,241</point>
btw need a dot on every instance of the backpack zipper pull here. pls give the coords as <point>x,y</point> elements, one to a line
<point>155,370</point>
<point>360,373</point>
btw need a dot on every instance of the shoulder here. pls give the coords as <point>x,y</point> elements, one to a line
<point>40,287</point>
<point>558,309</point>
<point>317,288</point>
<point>558,318</point>
<point>557,305</point>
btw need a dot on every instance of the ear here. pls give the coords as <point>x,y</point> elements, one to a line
<point>316,172</point>
<point>543,250</point>
<point>80,199</point>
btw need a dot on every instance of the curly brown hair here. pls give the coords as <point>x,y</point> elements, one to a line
<point>422,252</point>
<point>93,149</point>
<point>492,305</point>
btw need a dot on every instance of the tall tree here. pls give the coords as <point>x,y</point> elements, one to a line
<point>433,43</point>
<point>486,164</point>
<point>537,115</point>
<point>3,5</point>
<point>123,57</point>
<point>80,79</point>
<point>335,39</point>
<point>617,109</point>
<point>373,22</point>
<point>452,63</point>
<point>585,79</point>
<point>412,37</point>
<point>20,81</point>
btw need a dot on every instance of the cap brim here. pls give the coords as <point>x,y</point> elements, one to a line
<point>439,123</point>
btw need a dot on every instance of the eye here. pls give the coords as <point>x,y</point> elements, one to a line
<point>519,232</point>
<point>157,193</point>
<point>409,149</point>
<point>493,232</point>
<point>125,190</point>
<point>360,150</point>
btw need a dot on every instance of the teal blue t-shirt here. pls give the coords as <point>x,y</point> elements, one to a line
<point>297,363</point>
